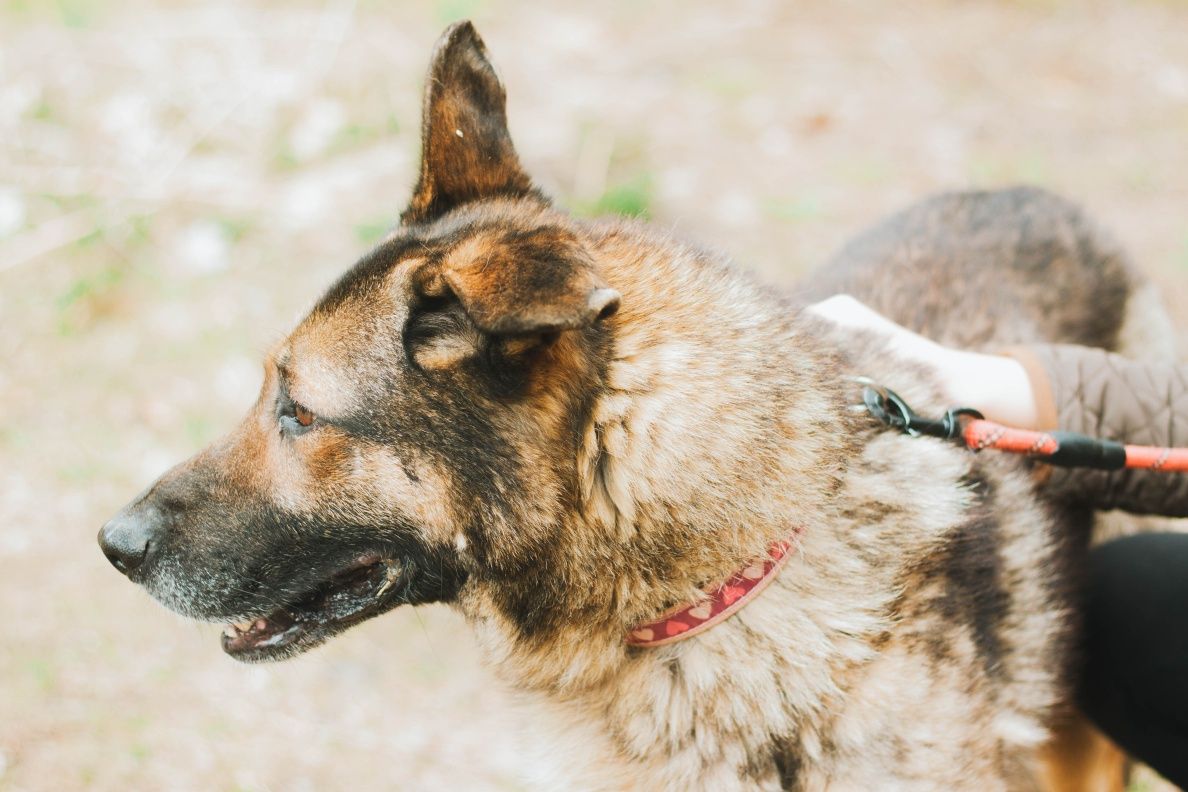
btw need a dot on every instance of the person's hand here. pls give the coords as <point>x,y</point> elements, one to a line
<point>995,385</point>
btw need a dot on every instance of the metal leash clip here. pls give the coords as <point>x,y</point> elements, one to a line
<point>889,407</point>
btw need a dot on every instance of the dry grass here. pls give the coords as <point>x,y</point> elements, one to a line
<point>178,182</point>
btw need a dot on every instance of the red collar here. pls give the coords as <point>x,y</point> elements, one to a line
<point>723,602</point>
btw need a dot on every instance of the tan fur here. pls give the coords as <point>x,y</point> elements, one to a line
<point>1080,759</point>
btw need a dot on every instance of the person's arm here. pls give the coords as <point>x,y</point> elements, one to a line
<point>1076,389</point>
<point>999,387</point>
<point>1101,394</point>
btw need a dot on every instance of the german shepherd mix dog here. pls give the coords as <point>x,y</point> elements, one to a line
<point>565,429</point>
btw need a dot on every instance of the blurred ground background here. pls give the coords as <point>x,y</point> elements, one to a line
<point>178,181</point>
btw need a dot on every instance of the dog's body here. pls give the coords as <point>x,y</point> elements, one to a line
<point>921,637</point>
<point>565,428</point>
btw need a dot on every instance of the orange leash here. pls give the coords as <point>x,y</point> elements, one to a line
<point>980,433</point>
<point>1066,449</point>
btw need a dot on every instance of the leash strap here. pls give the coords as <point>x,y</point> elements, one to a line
<point>1069,449</point>
<point>1065,449</point>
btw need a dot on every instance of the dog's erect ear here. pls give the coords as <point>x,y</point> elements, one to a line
<point>466,151</point>
<point>522,283</point>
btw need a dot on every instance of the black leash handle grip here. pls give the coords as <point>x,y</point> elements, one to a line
<point>1078,450</point>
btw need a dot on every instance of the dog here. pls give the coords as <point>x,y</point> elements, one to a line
<point>571,430</point>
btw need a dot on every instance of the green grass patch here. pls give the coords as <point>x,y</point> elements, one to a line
<point>82,473</point>
<point>217,727</point>
<point>372,231</point>
<point>14,438</point>
<point>630,199</point>
<point>78,13</point>
<point>348,138</point>
<point>448,11</point>
<point>91,239</point>
<point>793,210</point>
<point>234,228</point>
<point>1181,258</point>
<point>353,136</point>
<point>732,82</point>
<point>284,159</point>
<point>868,171</point>
<point>1034,169</point>
<point>43,111</point>
<point>200,430</point>
<point>139,231</point>
<point>44,675</point>
<point>1026,168</point>
<point>99,290</point>
<point>89,287</point>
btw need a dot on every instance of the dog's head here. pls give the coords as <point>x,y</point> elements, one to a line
<point>426,410</point>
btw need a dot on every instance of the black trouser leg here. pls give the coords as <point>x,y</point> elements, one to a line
<point>1135,680</point>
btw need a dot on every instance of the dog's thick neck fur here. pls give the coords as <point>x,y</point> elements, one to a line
<point>656,521</point>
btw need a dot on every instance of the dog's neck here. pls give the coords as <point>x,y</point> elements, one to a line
<point>718,431</point>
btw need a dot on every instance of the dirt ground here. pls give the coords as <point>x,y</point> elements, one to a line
<point>178,182</point>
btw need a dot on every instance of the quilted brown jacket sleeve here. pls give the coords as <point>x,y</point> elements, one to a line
<point>1100,394</point>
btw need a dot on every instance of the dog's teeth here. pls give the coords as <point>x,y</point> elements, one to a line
<point>231,631</point>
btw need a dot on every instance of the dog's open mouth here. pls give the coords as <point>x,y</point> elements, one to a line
<point>364,588</point>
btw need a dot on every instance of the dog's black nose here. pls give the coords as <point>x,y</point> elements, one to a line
<point>128,538</point>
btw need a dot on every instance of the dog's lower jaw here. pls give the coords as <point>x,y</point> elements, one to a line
<point>274,621</point>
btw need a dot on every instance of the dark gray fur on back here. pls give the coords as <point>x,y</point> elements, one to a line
<point>988,268</point>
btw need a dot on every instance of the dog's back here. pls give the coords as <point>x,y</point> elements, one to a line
<point>987,269</point>
<point>922,638</point>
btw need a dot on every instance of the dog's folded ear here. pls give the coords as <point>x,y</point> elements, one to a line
<point>522,283</point>
<point>466,150</point>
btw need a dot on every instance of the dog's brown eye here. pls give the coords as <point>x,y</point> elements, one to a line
<point>303,416</point>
